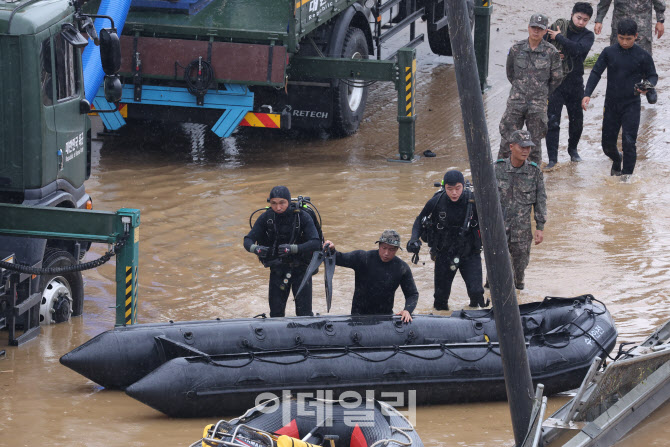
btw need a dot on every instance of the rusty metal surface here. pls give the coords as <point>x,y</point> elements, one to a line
<point>232,62</point>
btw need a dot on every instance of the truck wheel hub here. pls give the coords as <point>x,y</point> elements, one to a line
<point>355,94</point>
<point>56,304</point>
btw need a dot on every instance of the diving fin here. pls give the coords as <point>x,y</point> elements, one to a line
<point>317,259</point>
<point>329,270</point>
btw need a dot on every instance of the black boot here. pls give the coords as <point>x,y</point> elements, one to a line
<point>441,306</point>
<point>574,155</point>
<point>479,302</point>
<point>616,166</point>
<point>550,165</point>
<point>652,97</point>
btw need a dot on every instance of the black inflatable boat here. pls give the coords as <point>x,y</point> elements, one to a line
<point>122,356</point>
<point>457,359</point>
<point>296,422</point>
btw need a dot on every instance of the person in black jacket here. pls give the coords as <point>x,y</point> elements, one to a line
<point>450,221</point>
<point>378,275</point>
<point>573,42</point>
<point>284,238</point>
<point>627,65</point>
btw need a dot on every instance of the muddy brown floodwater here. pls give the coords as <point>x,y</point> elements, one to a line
<point>195,193</point>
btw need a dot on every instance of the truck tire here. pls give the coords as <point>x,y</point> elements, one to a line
<point>349,102</point>
<point>440,41</point>
<point>63,294</point>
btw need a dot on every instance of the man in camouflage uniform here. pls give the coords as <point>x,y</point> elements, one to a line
<point>521,187</point>
<point>534,69</point>
<point>638,10</point>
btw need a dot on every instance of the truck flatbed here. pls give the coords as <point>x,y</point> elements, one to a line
<point>253,19</point>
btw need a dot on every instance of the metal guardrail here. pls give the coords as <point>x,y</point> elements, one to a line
<point>610,403</point>
<point>86,225</point>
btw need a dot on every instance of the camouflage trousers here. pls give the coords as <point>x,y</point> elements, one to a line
<point>519,251</point>
<point>514,118</point>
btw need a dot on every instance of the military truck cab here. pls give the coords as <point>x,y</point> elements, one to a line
<point>45,154</point>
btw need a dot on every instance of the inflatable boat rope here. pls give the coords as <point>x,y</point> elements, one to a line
<point>560,329</point>
<point>444,347</point>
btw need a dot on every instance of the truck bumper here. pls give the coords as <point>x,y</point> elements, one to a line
<point>232,103</point>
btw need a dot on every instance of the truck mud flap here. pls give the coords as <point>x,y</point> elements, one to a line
<point>310,107</point>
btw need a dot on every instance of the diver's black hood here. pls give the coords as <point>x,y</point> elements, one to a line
<point>280,192</point>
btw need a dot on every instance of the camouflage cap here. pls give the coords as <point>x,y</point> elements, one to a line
<point>522,138</point>
<point>390,237</point>
<point>539,20</point>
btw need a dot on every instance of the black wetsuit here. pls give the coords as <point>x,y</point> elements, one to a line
<point>446,243</point>
<point>575,47</point>
<point>625,68</point>
<point>286,273</point>
<point>377,281</point>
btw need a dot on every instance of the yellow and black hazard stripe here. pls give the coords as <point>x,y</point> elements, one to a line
<point>410,72</point>
<point>269,120</point>
<point>131,295</point>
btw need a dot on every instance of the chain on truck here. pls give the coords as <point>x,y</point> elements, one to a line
<point>45,157</point>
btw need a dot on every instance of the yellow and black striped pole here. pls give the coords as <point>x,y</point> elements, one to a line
<point>406,86</point>
<point>127,266</point>
<point>130,308</point>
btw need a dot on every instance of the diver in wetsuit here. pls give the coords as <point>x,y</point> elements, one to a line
<point>627,64</point>
<point>573,41</point>
<point>450,221</point>
<point>284,238</point>
<point>379,273</point>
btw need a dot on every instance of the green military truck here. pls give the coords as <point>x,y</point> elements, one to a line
<point>45,154</point>
<point>265,63</point>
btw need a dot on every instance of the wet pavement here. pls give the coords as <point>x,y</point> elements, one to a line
<point>195,193</point>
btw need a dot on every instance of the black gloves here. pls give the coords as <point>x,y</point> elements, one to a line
<point>260,250</point>
<point>287,249</point>
<point>283,250</point>
<point>413,246</point>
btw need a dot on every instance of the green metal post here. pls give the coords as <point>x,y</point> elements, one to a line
<point>127,260</point>
<point>406,87</point>
<point>483,10</point>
